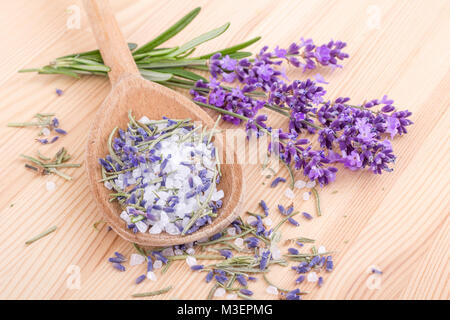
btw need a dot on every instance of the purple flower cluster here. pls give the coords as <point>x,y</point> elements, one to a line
<point>357,136</point>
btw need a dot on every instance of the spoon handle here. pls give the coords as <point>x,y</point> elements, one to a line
<point>114,49</point>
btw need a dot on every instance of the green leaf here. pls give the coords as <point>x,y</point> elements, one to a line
<point>65,71</point>
<point>154,53</point>
<point>183,73</point>
<point>200,39</point>
<point>172,64</point>
<point>98,68</point>
<point>231,49</point>
<point>240,55</point>
<point>131,46</point>
<point>155,76</point>
<point>169,33</point>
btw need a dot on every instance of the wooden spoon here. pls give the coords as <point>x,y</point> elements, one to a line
<point>131,91</point>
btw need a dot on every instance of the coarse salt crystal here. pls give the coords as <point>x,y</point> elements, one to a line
<point>190,251</point>
<point>251,219</point>
<point>239,242</point>
<point>191,261</point>
<point>46,132</point>
<point>321,250</point>
<point>300,184</point>
<point>156,229</point>
<point>306,196</point>
<point>108,185</point>
<point>136,259</point>
<point>272,290</point>
<point>312,277</point>
<point>167,252</point>
<point>178,252</point>
<point>220,292</point>
<point>231,231</point>
<point>157,264</point>
<point>144,120</point>
<point>125,217</point>
<point>50,186</point>
<point>151,276</point>
<point>276,253</point>
<point>289,194</point>
<point>311,184</point>
<point>231,296</point>
<point>267,221</point>
<point>142,226</point>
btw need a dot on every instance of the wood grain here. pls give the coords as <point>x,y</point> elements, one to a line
<point>397,221</point>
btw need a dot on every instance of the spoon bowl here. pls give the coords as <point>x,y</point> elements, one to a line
<point>144,98</point>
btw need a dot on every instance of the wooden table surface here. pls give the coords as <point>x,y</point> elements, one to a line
<point>397,221</point>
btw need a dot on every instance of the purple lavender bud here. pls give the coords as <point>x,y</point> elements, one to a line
<point>209,276</point>
<point>226,253</point>
<point>241,279</point>
<point>307,215</point>
<point>43,141</point>
<point>290,210</point>
<point>281,209</point>
<point>121,256</point>
<point>140,279</point>
<point>277,181</point>
<point>59,92</point>
<point>221,279</point>
<point>246,292</point>
<point>54,139</point>
<point>55,122</point>
<point>264,207</point>
<point>293,251</point>
<point>61,131</point>
<point>300,279</point>
<point>216,236</point>
<point>293,222</point>
<point>376,271</point>
<point>118,266</point>
<point>197,267</point>
<point>293,295</point>
<point>252,278</point>
<point>116,260</point>
<point>320,281</point>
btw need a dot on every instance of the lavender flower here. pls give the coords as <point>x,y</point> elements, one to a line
<point>118,266</point>
<point>140,279</point>
<point>246,292</point>
<point>307,215</point>
<point>276,181</point>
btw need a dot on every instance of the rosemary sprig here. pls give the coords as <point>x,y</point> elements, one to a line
<point>152,293</point>
<point>41,235</point>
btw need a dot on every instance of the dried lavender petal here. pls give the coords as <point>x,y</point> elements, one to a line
<point>276,181</point>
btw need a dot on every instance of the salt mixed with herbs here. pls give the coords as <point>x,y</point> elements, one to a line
<point>164,173</point>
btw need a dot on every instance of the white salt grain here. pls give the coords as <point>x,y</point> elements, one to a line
<point>151,276</point>
<point>321,250</point>
<point>289,194</point>
<point>220,292</point>
<point>251,219</point>
<point>167,252</point>
<point>311,184</point>
<point>300,184</point>
<point>190,251</point>
<point>306,196</point>
<point>142,226</point>
<point>239,242</point>
<point>136,259</point>
<point>178,252</point>
<point>191,261</point>
<point>108,185</point>
<point>312,277</point>
<point>144,120</point>
<point>46,132</point>
<point>276,253</point>
<point>157,264</point>
<point>272,290</point>
<point>50,186</point>
<point>267,221</point>
<point>231,296</point>
<point>231,231</point>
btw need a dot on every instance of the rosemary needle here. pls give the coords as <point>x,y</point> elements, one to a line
<point>41,235</point>
<point>316,195</point>
<point>152,293</point>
